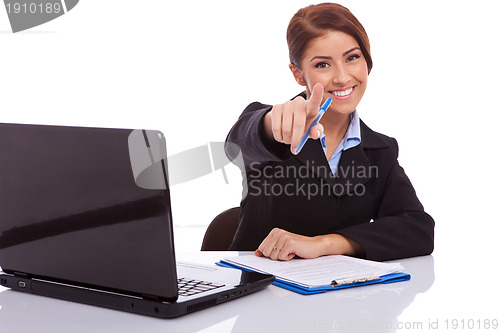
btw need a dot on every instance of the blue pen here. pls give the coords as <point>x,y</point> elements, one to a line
<point>321,112</point>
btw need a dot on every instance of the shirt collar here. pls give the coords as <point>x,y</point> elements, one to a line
<point>353,135</point>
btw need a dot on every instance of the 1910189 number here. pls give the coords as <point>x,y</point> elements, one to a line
<point>471,324</point>
<point>33,8</point>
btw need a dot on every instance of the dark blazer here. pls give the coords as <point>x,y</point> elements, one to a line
<point>371,200</point>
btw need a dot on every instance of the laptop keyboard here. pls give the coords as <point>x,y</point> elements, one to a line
<point>189,287</point>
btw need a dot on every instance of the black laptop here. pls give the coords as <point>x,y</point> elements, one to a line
<point>85,216</point>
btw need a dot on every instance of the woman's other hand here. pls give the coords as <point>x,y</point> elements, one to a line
<point>283,245</point>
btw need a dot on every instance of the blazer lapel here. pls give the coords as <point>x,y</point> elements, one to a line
<point>354,169</point>
<point>313,157</point>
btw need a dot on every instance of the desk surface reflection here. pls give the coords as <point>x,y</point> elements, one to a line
<point>362,309</point>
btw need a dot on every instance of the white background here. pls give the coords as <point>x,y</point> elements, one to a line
<point>189,68</point>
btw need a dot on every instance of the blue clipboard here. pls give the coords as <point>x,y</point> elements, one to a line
<point>389,278</point>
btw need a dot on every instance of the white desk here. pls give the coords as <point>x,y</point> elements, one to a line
<point>375,308</point>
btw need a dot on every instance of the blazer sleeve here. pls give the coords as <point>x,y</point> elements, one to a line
<point>401,227</point>
<point>247,137</point>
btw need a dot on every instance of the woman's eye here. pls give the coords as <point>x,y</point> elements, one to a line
<point>321,65</point>
<point>353,57</point>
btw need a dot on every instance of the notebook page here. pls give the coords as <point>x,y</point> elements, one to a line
<point>316,272</point>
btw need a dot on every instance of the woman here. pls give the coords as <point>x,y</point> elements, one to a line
<point>344,192</point>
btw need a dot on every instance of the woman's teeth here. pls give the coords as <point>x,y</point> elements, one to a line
<point>342,93</point>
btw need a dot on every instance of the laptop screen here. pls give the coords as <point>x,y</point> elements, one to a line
<point>89,206</point>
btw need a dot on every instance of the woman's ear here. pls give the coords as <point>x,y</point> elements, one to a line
<point>297,74</point>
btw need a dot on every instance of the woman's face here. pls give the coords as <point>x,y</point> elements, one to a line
<point>334,59</point>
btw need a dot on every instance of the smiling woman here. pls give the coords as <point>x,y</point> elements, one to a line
<point>327,210</point>
<point>336,62</point>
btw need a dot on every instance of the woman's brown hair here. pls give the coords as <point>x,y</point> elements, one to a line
<point>313,21</point>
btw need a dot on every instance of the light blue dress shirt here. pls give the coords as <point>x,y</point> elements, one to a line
<point>351,139</point>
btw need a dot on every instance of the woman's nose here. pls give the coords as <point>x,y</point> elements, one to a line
<point>341,76</point>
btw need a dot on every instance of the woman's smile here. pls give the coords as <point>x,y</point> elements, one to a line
<point>342,94</point>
